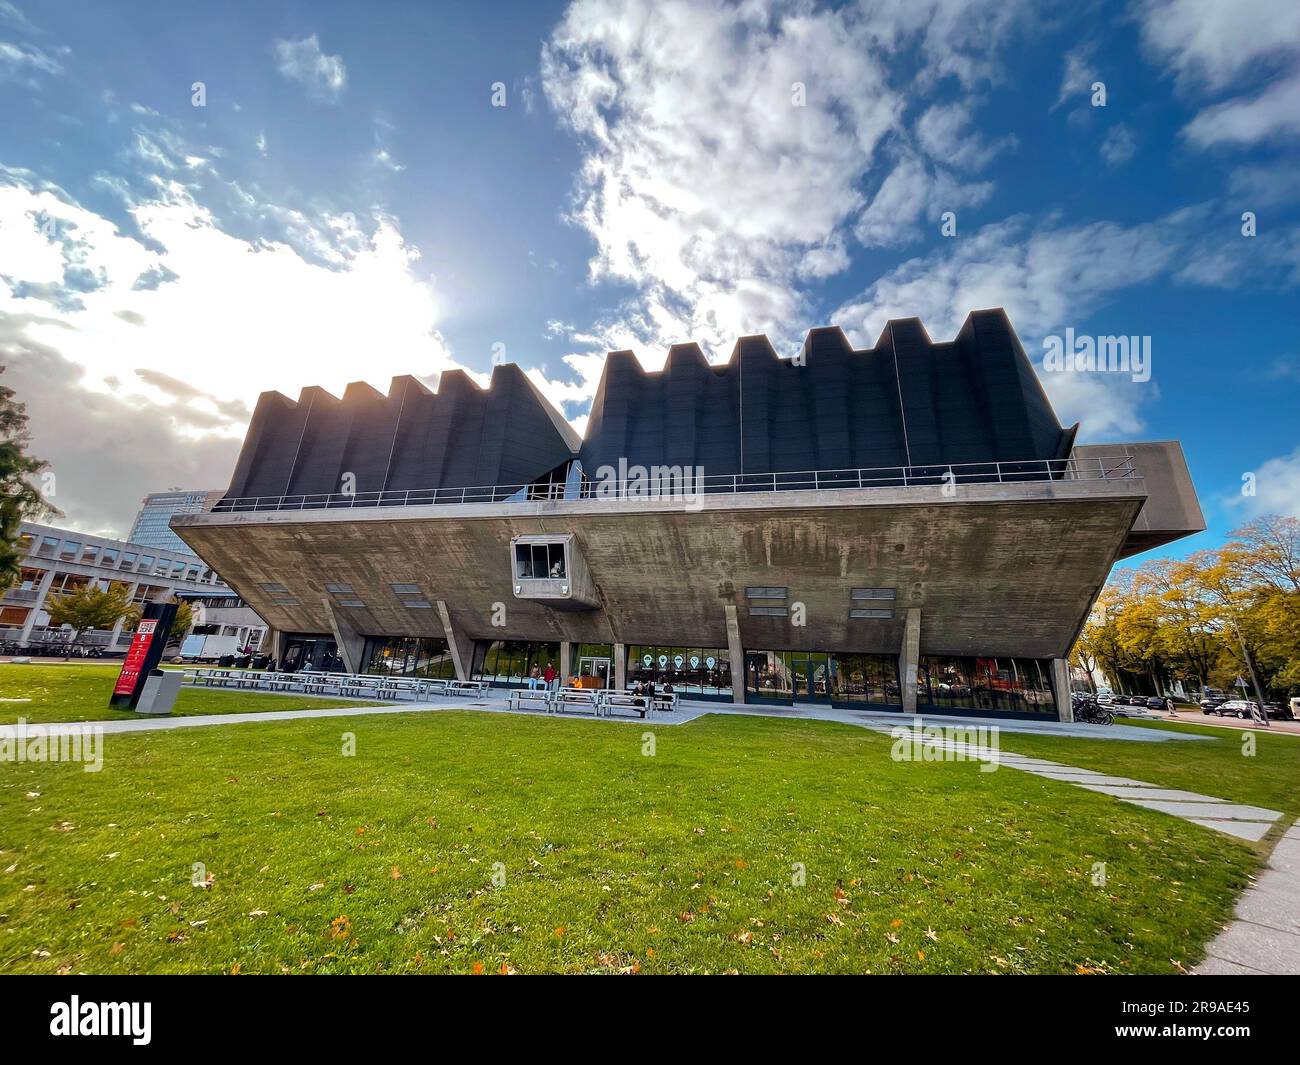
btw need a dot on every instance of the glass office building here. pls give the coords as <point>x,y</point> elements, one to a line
<point>152,524</point>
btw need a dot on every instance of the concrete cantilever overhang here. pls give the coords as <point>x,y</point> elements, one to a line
<point>1000,568</point>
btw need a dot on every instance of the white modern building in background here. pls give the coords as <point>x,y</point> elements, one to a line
<point>57,561</point>
<point>151,527</point>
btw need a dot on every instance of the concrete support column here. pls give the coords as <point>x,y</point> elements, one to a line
<point>566,662</point>
<point>735,652</point>
<point>117,628</point>
<point>351,644</point>
<point>1061,689</point>
<point>271,645</point>
<point>909,658</point>
<point>38,604</point>
<point>620,667</point>
<point>462,648</point>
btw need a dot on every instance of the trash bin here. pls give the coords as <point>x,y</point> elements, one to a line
<point>160,690</point>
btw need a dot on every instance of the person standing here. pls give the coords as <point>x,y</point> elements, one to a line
<point>534,675</point>
<point>550,675</point>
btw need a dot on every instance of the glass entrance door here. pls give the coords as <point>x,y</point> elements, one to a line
<point>594,672</point>
<point>811,677</point>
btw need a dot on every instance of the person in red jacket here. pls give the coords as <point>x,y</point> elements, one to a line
<point>550,675</point>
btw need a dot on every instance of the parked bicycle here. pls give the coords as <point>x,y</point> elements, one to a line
<point>1089,711</point>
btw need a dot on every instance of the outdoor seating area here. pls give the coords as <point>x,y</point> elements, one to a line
<point>357,685</point>
<point>599,702</point>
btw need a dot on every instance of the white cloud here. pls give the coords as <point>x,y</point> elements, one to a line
<point>1277,487</point>
<point>1212,47</point>
<point>17,61</point>
<point>1077,77</point>
<point>1240,121</point>
<point>710,191</point>
<point>914,191</point>
<point>943,132</point>
<point>160,340</point>
<point>1209,44</point>
<point>1118,146</point>
<point>324,76</point>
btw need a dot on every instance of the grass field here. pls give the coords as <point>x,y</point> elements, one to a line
<point>741,844</point>
<point>77,692</point>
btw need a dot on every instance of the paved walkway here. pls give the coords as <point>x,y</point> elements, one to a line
<point>685,713</point>
<point>1265,937</point>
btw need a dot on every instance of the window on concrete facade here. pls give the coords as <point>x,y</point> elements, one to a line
<point>510,662</point>
<point>871,679</point>
<point>408,656</point>
<point>767,676</point>
<point>690,670</point>
<point>536,561</point>
<point>1008,685</point>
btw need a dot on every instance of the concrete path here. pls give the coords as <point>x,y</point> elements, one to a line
<point>686,712</point>
<point>1265,937</point>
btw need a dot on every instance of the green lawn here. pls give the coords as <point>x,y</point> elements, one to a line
<point>76,692</point>
<point>1269,777</point>
<point>684,861</point>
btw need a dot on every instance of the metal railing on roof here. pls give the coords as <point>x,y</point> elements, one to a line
<point>676,483</point>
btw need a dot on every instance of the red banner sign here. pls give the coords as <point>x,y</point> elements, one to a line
<point>135,658</point>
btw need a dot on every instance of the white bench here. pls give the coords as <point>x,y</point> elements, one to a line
<point>665,701</point>
<point>626,701</point>
<point>476,689</point>
<point>580,699</point>
<point>535,696</point>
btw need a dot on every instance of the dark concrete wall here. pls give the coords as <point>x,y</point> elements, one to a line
<point>412,438</point>
<point>974,399</point>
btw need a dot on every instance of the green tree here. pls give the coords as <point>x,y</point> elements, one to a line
<point>91,607</point>
<point>19,498</point>
<point>184,620</point>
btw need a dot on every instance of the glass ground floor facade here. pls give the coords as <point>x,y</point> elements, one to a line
<point>947,684</point>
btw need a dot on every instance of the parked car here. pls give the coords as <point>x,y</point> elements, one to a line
<point>1212,703</point>
<point>1155,702</point>
<point>1277,710</point>
<point>1242,708</point>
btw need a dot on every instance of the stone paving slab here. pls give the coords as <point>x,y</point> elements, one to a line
<point>1219,967</point>
<point>1100,778</point>
<point>1127,791</point>
<point>1286,855</point>
<point>1279,909</point>
<point>1257,947</point>
<point>1228,811</point>
<point>1251,831</point>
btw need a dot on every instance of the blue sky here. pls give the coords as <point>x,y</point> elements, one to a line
<point>347,203</point>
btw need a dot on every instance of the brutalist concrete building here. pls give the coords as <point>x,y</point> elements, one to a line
<point>906,526</point>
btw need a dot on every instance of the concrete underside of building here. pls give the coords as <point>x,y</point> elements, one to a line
<point>971,588</point>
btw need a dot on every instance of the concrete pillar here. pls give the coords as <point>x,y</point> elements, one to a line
<point>909,658</point>
<point>38,604</point>
<point>462,648</point>
<point>620,667</point>
<point>566,662</point>
<point>117,628</point>
<point>351,644</point>
<point>271,644</point>
<point>735,652</point>
<point>1061,689</point>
